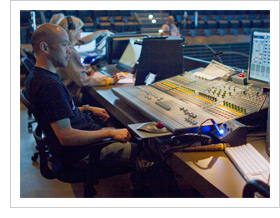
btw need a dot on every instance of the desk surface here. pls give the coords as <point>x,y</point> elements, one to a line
<point>211,173</point>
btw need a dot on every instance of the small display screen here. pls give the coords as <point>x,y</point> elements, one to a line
<point>259,66</point>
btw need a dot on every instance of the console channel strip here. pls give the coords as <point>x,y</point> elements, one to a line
<point>223,99</point>
<point>159,106</point>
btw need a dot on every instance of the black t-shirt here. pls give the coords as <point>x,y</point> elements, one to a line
<point>52,99</point>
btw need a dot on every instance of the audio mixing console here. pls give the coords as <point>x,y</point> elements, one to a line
<point>183,102</point>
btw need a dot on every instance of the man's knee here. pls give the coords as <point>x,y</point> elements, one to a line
<point>121,151</point>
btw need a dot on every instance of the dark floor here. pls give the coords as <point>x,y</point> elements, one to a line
<point>34,185</point>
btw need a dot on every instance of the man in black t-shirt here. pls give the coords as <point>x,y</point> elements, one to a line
<point>72,128</point>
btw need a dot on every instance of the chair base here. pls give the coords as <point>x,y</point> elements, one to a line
<point>35,156</point>
<point>89,191</point>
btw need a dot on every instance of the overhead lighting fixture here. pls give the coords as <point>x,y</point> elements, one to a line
<point>151,16</point>
<point>154,21</point>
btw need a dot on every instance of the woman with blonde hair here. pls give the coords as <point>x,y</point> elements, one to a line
<point>56,18</point>
<point>75,75</point>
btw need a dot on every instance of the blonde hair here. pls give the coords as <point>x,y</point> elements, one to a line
<point>78,24</point>
<point>56,18</point>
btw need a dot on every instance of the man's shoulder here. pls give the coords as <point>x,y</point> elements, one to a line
<point>41,80</point>
<point>45,77</point>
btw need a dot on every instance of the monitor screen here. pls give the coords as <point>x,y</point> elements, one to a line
<point>259,60</point>
<point>160,58</point>
<point>131,54</point>
<point>116,45</point>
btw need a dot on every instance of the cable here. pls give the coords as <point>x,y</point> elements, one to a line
<point>231,52</point>
<point>207,46</point>
<point>258,111</point>
<point>168,150</point>
<point>212,51</point>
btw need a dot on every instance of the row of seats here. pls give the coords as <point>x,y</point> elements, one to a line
<point>85,15</point>
<point>228,17</point>
<point>215,12</point>
<point>217,32</point>
<point>201,24</point>
<point>119,21</point>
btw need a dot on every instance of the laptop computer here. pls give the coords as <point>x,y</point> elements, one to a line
<point>127,61</point>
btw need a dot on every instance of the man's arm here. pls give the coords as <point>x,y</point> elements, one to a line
<point>89,38</point>
<point>73,137</point>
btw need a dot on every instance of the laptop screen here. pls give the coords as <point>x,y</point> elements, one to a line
<point>130,55</point>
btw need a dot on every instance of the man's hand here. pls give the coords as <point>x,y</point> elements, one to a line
<point>118,76</point>
<point>122,135</point>
<point>100,113</point>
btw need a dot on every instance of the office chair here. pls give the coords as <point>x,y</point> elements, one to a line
<point>256,186</point>
<point>50,165</point>
<point>28,64</point>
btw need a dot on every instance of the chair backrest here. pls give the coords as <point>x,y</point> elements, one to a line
<point>43,143</point>
<point>27,63</point>
<point>42,122</point>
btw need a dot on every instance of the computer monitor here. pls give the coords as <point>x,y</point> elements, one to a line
<point>130,55</point>
<point>116,44</point>
<point>259,59</point>
<point>161,58</point>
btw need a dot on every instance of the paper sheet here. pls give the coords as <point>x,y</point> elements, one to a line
<point>214,70</point>
<point>128,79</point>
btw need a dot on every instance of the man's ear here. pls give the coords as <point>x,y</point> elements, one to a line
<point>44,47</point>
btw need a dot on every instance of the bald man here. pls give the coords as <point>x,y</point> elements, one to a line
<point>71,127</point>
<point>170,29</point>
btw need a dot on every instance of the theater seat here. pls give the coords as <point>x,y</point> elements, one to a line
<point>256,23</point>
<point>197,32</point>
<point>211,32</point>
<point>246,23</point>
<point>247,31</point>
<point>235,24</point>
<point>223,32</point>
<point>224,24</point>
<point>266,23</point>
<point>237,31</point>
<point>212,24</point>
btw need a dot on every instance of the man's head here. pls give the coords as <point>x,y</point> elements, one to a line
<point>170,19</point>
<point>51,46</point>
